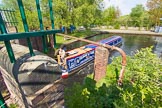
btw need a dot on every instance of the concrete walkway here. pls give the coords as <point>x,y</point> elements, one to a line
<point>132,32</point>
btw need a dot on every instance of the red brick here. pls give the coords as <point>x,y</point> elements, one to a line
<point>100,64</point>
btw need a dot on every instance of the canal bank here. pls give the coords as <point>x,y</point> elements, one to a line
<point>129,32</point>
<point>121,32</point>
<point>133,40</point>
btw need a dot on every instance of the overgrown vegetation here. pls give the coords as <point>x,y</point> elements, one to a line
<point>142,86</point>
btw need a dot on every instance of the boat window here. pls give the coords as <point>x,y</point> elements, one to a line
<point>111,43</point>
<point>115,41</point>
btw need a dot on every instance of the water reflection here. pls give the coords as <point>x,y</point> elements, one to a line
<point>130,44</point>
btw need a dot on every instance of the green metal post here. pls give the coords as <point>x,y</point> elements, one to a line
<point>41,26</point>
<point>7,43</point>
<point>2,102</point>
<point>52,21</point>
<point>21,8</point>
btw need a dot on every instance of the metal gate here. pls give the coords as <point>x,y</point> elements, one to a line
<point>7,19</point>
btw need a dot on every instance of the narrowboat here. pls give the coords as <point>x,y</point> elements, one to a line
<point>78,57</point>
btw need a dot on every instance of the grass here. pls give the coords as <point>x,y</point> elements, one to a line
<point>1,42</point>
<point>83,33</point>
<point>60,40</point>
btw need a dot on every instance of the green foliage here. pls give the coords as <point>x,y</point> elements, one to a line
<point>110,14</point>
<point>137,15</point>
<point>76,12</point>
<point>84,13</point>
<point>143,78</point>
<point>61,40</point>
<point>124,20</point>
<point>83,33</point>
<point>116,25</point>
<point>13,106</point>
<point>155,11</point>
<point>142,86</point>
<point>30,11</point>
<point>137,11</point>
<point>1,42</point>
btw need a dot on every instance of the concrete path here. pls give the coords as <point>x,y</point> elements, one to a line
<point>132,32</point>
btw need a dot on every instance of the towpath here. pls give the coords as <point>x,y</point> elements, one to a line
<point>132,32</point>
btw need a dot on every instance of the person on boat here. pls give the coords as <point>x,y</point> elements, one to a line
<point>62,54</point>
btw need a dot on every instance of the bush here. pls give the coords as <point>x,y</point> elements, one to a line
<point>116,26</point>
<point>13,106</point>
<point>142,85</point>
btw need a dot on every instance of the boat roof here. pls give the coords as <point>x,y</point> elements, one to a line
<point>81,50</point>
<point>109,39</point>
<point>77,52</point>
<point>103,41</point>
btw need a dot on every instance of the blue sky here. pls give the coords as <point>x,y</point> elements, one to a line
<point>124,5</point>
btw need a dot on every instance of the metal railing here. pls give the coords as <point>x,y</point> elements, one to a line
<point>7,37</point>
<point>9,17</point>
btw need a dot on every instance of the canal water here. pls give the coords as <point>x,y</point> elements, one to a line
<point>130,44</point>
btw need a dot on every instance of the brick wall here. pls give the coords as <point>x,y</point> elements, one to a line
<point>101,60</point>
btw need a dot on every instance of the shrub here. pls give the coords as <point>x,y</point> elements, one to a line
<point>13,106</point>
<point>142,86</point>
<point>116,26</point>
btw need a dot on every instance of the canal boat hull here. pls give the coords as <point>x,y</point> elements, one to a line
<point>80,56</point>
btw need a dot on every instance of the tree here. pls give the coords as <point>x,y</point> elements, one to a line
<point>155,10</point>
<point>124,20</point>
<point>137,16</point>
<point>110,15</point>
<point>30,11</point>
<point>77,12</point>
<point>146,20</point>
<point>66,12</point>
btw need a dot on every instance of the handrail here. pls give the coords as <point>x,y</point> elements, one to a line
<point>7,37</point>
<point>120,80</point>
<point>4,36</point>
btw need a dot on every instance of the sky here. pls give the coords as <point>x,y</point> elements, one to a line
<point>125,6</point>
